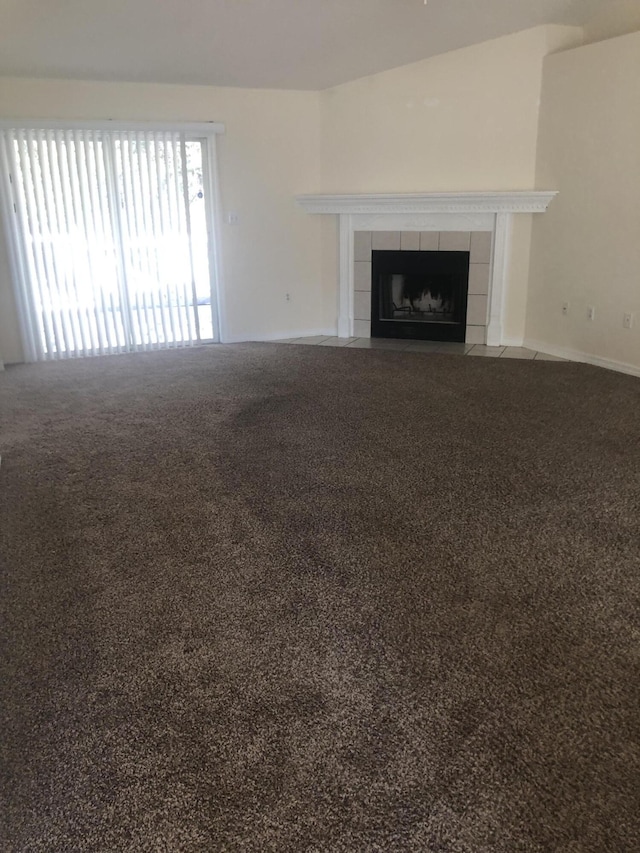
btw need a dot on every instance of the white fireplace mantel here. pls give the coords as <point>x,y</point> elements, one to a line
<point>469,211</point>
<point>475,202</point>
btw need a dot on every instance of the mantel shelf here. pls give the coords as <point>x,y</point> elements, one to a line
<point>529,201</point>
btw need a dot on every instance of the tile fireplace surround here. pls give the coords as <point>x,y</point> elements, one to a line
<point>475,222</point>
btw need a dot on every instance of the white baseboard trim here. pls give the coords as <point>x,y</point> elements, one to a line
<point>279,336</point>
<point>512,342</point>
<point>584,357</point>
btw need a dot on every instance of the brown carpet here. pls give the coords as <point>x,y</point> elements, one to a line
<point>283,598</point>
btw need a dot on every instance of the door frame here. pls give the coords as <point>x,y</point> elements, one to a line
<point>204,132</point>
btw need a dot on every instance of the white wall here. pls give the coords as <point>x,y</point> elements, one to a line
<point>269,154</point>
<point>466,120</point>
<point>586,249</point>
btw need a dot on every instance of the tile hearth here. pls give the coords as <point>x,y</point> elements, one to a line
<point>422,347</point>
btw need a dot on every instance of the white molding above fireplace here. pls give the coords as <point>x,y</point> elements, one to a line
<point>471,211</point>
<point>476,202</point>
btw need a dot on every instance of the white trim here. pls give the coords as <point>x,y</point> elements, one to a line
<point>529,201</point>
<point>17,261</point>
<point>280,336</point>
<point>188,127</point>
<point>213,208</point>
<point>346,285</point>
<point>102,341</point>
<point>500,256</point>
<point>583,357</point>
<point>463,211</point>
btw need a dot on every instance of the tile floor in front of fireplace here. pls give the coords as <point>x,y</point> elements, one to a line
<point>422,346</point>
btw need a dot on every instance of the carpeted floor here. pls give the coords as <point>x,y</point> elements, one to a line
<point>279,598</point>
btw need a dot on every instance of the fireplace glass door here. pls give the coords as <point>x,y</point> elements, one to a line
<point>419,295</point>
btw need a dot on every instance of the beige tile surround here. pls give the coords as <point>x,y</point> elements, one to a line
<point>477,243</point>
<point>422,347</point>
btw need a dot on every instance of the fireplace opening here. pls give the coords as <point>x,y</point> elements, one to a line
<point>419,295</point>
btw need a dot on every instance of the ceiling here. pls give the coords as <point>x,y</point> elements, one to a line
<point>286,44</point>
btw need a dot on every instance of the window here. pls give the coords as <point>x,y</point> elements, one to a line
<point>113,238</point>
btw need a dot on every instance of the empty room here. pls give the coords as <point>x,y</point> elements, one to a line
<point>320,426</point>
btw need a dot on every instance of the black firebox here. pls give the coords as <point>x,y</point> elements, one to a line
<point>419,295</point>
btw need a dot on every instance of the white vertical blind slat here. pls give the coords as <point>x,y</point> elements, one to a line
<point>187,222</point>
<point>78,248</point>
<point>160,147</point>
<point>177,180</point>
<point>174,224</point>
<point>155,213</point>
<point>137,252</point>
<point>100,273</point>
<point>146,219</point>
<point>103,236</point>
<point>120,314</point>
<point>65,209</point>
<point>93,283</point>
<point>131,316</point>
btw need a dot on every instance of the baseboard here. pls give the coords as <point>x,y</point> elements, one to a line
<point>584,357</point>
<point>512,342</point>
<point>279,336</point>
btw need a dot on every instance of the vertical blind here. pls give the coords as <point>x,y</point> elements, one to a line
<point>101,238</point>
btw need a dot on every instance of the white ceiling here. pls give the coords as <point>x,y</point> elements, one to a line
<point>292,44</point>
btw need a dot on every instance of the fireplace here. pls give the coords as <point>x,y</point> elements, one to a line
<point>419,295</point>
<point>418,221</point>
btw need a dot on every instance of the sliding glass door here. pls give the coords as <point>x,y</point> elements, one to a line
<point>112,239</point>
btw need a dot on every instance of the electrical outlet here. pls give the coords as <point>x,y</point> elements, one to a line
<point>287,297</point>
<point>591,313</point>
<point>233,218</point>
<point>627,320</point>
<point>565,308</point>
